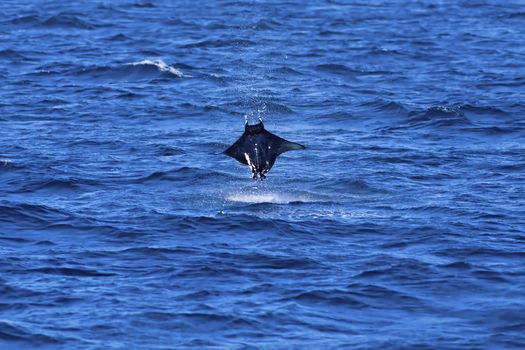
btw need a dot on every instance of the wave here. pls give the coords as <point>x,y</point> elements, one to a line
<point>10,331</point>
<point>340,117</point>
<point>351,72</point>
<point>185,66</point>
<point>165,150</point>
<point>31,214</point>
<point>56,185</point>
<point>68,271</point>
<point>161,66</point>
<point>175,21</point>
<point>219,43</point>
<point>12,55</point>
<point>457,265</point>
<point>130,96</point>
<point>119,37</point>
<point>439,116</point>
<point>518,166</point>
<point>8,164</point>
<point>468,108</point>
<point>380,105</point>
<point>134,71</point>
<point>493,130</point>
<point>267,24</point>
<point>65,20</point>
<point>27,19</point>
<point>329,33</point>
<point>60,20</point>
<point>255,260</point>
<point>16,293</point>
<point>146,4</point>
<point>337,68</point>
<point>287,71</point>
<point>346,185</point>
<point>513,15</point>
<point>232,222</point>
<point>471,118</point>
<point>181,174</point>
<point>217,79</point>
<point>152,251</point>
<point>441,111</point>
<point>206,320</point>
<point>383,51</point>
<point>333,297</point>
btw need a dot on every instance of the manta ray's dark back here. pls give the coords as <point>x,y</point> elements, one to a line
<point>259,148</point>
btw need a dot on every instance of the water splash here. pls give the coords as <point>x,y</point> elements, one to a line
<point>253,197</point>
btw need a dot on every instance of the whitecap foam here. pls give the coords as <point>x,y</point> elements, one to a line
<point>161,65</point>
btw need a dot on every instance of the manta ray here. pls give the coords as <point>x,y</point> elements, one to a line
<point>259,148</point>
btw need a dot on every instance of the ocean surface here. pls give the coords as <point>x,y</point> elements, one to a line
<point>124,226</point>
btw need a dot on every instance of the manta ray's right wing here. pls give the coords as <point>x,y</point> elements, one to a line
<point>236,151</point>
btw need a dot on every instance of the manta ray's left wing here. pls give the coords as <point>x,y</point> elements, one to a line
<point>278,145</point>
<point>281,145</point>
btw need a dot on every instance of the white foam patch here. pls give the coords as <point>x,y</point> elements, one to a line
<point>161,65</point>
<point>268,197</point>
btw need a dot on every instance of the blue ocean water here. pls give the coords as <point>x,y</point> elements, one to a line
<point>401,226</point>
